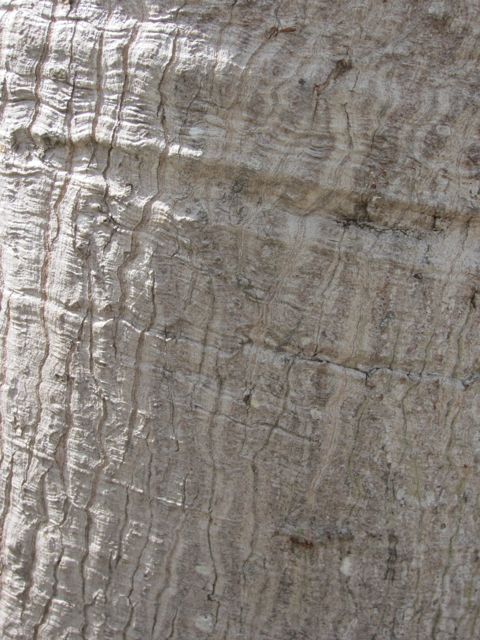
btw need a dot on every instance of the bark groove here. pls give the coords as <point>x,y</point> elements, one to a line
<point>239,320</point>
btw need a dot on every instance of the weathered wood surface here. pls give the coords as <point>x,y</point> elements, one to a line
<point>239,326</point>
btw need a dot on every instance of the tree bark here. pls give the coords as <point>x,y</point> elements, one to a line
<point>239,325</point>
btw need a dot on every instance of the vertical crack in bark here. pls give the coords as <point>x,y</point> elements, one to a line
<point>215,411</point>
<point>37,629</point>
<point>162,101</point>
<point>171,558</point>
<point>5,331</point>
<point>98,95</point>
<point>323,296</point>
<point>253,543</point>
<point>39,67</point>
<point>129,622</point>
<point>319,475</point>
<point>114,560</point>
<point>6,500</point>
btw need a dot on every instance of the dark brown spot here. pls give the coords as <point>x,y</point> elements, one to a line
<point>301,541</point>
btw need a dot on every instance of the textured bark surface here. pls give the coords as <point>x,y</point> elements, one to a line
<point>239,331</point>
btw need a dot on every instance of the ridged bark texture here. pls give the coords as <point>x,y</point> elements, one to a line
<point>239,326</point>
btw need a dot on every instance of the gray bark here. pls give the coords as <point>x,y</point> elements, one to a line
<point>239,324</point>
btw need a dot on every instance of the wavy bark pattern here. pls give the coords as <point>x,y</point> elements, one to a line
<point>239,322</point>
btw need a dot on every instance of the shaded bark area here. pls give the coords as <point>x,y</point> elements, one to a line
<point>239,320</point>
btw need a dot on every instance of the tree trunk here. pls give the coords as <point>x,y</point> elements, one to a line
<point>239,330</point>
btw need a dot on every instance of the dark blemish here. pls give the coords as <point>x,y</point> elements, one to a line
<point>443,525</point>
<point>246,398</point>
<point>301,82</point>
<point>341,66</point>
<point>392,557</point>
<point>274,31</point>
<point>301,541</point>
<point>418,276</point>
<point>323,535</point>
<point>238,185</point>
<point>360,211</point>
